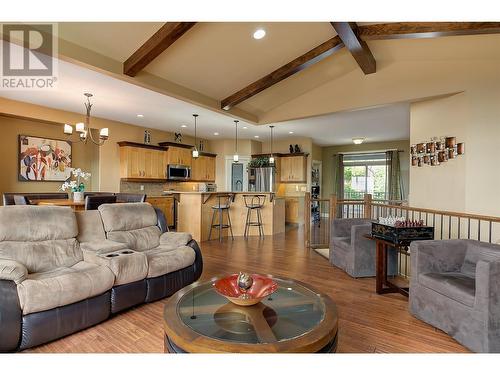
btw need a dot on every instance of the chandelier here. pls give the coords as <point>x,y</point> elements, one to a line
<point>84,128</point>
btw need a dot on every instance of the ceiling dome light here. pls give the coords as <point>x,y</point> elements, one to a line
<point>216,133</point>
<point>256,136</point>
<point>358,141</point>
<point>140,116</point>
<point>259,34</point>
<point>183,126</point>
<point>290,132</point>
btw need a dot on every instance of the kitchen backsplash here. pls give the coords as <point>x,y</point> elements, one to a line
<point>156,188</point>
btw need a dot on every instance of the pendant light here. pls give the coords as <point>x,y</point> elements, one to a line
<point>271,158</point>
<point>235,156</point>
<point>196,154</point>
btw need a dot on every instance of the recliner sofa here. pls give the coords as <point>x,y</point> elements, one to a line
<point>61,272</point>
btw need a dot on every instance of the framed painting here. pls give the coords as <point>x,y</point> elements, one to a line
<point>44,159</point>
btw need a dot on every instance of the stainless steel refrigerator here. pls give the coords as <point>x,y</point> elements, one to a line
<point>262,179</point>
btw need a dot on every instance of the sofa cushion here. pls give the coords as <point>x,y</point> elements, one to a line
<point>90,227</point>
<point>454,285</point>
<point>138,239</point>
<point>342,242</point>
<point>477,251</point>
<point>62,286</point>
<point>40,238</point>
<point>165,259</point>
<point>37,223</point>
<point>127,216</point>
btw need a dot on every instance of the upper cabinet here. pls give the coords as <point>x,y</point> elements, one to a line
<point>139,161</point>
<point>203,168</point>
<point>178,153</point>
<point>293,168</point>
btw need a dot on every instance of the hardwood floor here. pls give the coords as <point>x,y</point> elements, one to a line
<point>367,322</point>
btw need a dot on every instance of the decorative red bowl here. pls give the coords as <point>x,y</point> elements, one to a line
<point>262,287</point>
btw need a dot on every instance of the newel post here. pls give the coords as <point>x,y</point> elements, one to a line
<point>368,206</point>
<point>333,207</point>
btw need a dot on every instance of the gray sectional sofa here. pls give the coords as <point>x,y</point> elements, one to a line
<point>62,271</point>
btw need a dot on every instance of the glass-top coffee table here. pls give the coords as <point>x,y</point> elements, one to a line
<point>295,318</point>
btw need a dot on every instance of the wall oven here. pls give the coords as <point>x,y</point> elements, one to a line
<point>178,172</point>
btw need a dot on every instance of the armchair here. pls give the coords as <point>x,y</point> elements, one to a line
<point>455,286</point>
<point>352,252</point>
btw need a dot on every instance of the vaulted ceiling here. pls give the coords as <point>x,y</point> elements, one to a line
<point>210,63</point>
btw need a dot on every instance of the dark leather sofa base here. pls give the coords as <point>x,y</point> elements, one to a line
<point>41,327</point>
<point>10,317</point>
<point>166,285</point>
<point>128,295</point>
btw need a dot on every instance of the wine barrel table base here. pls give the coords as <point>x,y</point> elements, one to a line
<point>294,319</point>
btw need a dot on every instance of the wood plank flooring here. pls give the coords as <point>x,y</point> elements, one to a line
<point>367,322</point>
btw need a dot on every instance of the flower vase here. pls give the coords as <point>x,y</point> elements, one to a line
<point>78,196</point>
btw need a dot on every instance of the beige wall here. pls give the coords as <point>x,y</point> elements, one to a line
<point>328,152</point>
<point>470,182</point>
<point>84,156</point>
<point>109,156</point>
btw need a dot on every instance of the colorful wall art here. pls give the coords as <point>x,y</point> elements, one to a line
<point>43,159</point>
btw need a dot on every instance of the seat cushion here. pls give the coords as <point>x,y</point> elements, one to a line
<point>342,242</point>
<point>454,285</point>
<point>165,259</point>
<point>62,286</point>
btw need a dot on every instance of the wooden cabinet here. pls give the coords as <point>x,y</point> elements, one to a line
<point>293,168</point>
<point>167,205</point>
<point>203,168</point>
<point>294,210</point>
<point>142,162</point>
<point>179,155</point>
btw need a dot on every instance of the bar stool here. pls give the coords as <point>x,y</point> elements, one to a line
<point>223,205</point>
<point>254,203</point>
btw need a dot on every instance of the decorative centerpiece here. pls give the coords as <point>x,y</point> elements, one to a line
<point>244,289</point>
<point>77,186</point>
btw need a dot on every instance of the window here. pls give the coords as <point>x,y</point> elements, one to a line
<point>365,173</point>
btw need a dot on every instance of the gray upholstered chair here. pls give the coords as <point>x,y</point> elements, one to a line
<point>352,252</point>
<point>130,198</point>
<point>455,286</point>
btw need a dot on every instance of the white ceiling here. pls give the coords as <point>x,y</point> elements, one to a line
<point>122,101</point>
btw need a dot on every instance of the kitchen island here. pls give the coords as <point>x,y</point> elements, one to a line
<point>194,213</point>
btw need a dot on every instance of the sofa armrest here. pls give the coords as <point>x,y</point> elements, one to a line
<point>175,239</point>
<point>342,227</point>
<point>437,256</point>
<point>488,287</point>
<point>12,270</point>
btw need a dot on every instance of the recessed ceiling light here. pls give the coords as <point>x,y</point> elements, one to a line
<point>290,132</point>
<point>358,141</point>
<point>259,34</point>
<point>256,136</point>
<point>183,126</point>
<point>216,133</point>
<point>245,127</point>
<point>140,115</point>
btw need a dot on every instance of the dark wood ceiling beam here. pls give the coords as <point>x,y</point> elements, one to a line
<point>300,63</point>
<point>412,30</point>
<point>348,32</point>
<point>154,46</point>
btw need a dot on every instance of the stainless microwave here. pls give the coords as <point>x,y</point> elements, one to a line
<point>178,172</point>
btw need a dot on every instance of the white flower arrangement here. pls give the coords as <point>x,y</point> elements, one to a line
<point>78,185</point>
